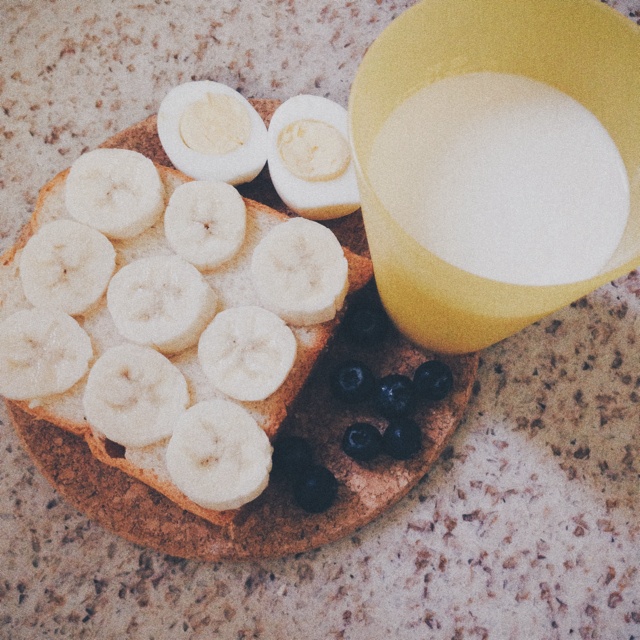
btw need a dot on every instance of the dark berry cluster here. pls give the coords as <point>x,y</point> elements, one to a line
<point>394,396</point>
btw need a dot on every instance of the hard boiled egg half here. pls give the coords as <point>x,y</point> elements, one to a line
<point>310,159</point>
<point>212,132</point>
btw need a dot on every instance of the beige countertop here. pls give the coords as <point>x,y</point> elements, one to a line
<point>529,526</point>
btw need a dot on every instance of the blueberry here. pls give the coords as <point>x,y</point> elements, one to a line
<point>433,380</point>
<point>402,439</point>
<point>366,324</point>
<point>352,381</point>
<point>395,395</point>
<point>361,441</point>
<point>315,489</point>
<point>291,455</point>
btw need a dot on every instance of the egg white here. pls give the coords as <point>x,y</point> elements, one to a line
<point>317,200</point>
<point>240,165</point>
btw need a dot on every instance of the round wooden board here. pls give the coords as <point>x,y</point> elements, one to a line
<point>272,525</point>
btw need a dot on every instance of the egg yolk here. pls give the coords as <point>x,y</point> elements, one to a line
<point>313,150</point>
<point>215,125</point>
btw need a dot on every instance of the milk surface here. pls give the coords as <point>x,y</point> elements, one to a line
<point>505,177</point>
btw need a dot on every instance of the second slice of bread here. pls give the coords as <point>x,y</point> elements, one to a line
<point>232,283</point>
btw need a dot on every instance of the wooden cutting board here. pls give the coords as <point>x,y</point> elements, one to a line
<point>272,525</point>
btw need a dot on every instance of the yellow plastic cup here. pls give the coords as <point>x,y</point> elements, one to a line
<point>582,47</point>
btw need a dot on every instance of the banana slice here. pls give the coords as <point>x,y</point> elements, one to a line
<point>205,222</point>
<point>116,191</point>
<point>134,395</point>
<point>42,352</point>
<point>247,352</point>
<point>66,266</point>
<point>299,271</point>
<point>162,302</point>
<point>218,456</point>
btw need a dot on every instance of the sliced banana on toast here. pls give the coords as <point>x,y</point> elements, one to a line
<point>67,266</point>
<point>247,352</point>
<point>205,223</point>
<point>218,456</point>
<point>162,302</point>
<point>116,191</point>
<point>300,272</point>
<point>134,395</point>
<point>42,353</point>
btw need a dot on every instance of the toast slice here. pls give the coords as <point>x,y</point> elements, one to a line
<point>232,282</point>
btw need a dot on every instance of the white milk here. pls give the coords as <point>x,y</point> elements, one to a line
<point>505,177</point>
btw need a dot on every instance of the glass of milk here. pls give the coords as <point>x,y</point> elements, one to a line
<point>497,146</point>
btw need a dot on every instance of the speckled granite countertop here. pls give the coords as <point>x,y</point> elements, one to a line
<point>529,526</point>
